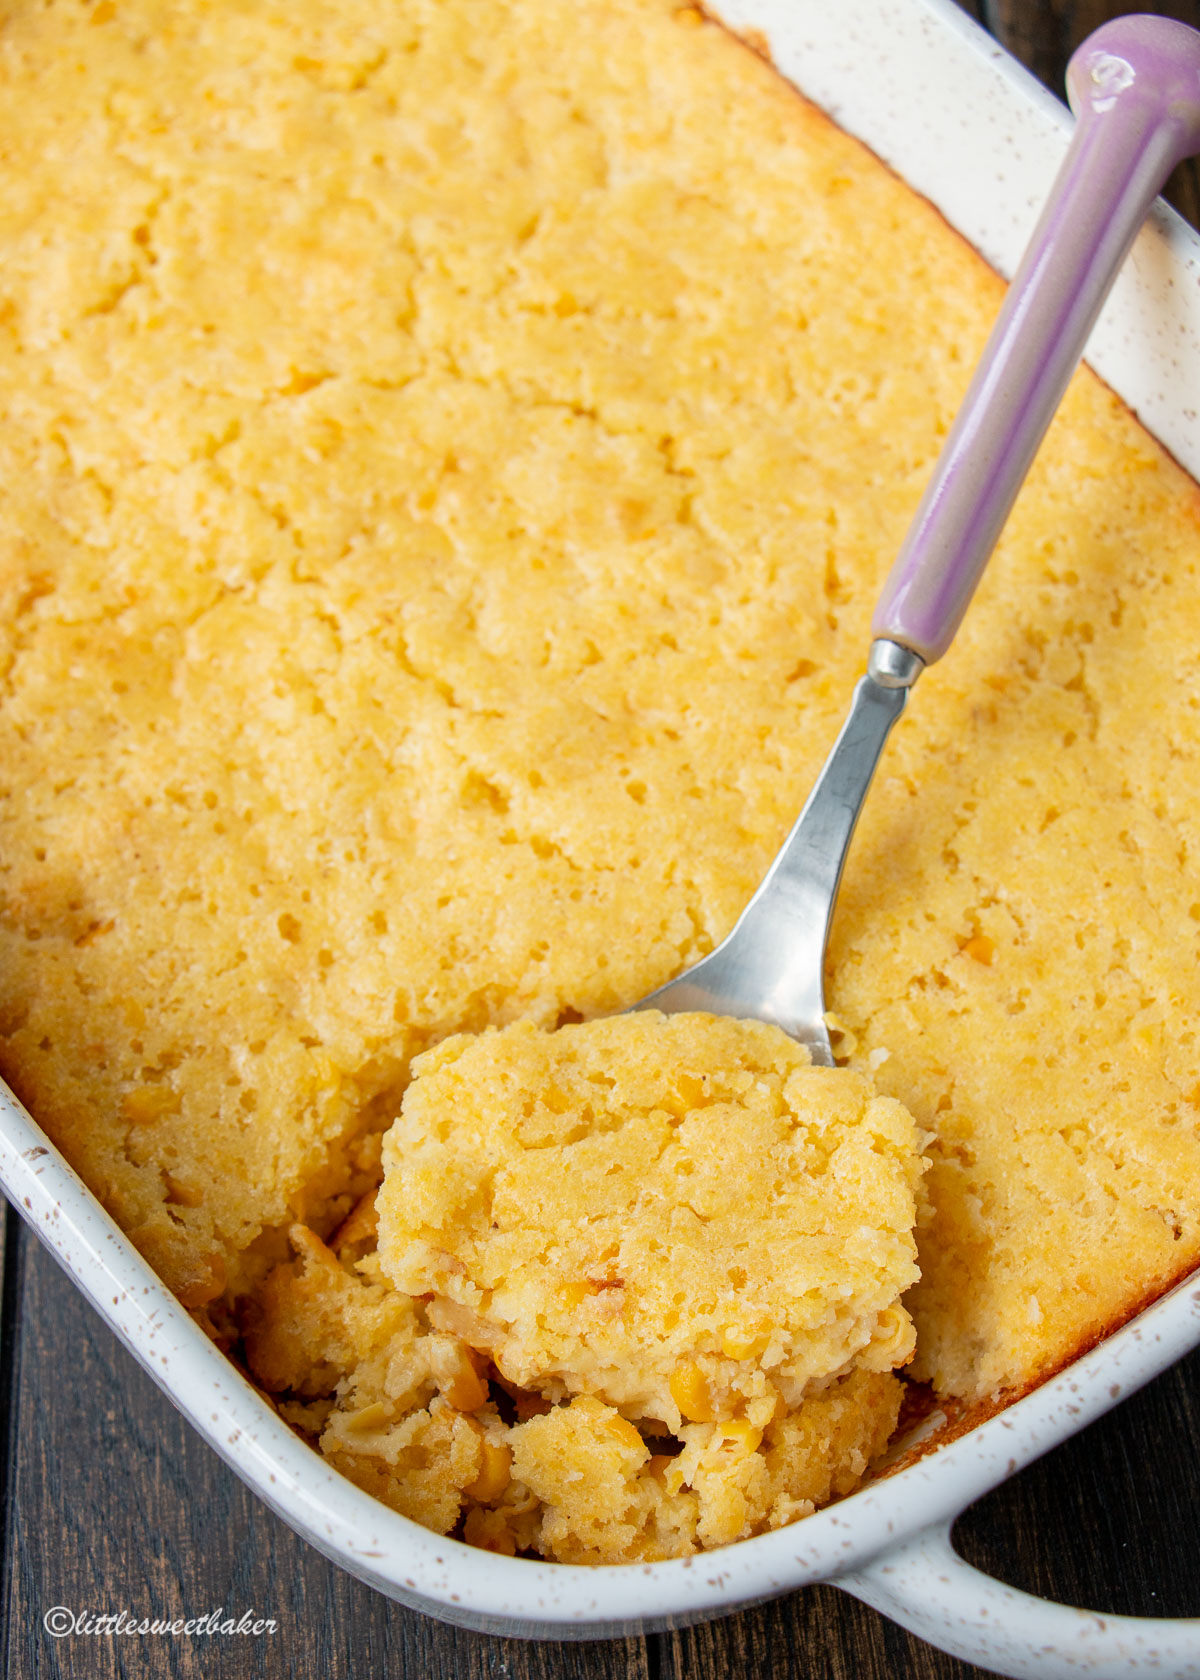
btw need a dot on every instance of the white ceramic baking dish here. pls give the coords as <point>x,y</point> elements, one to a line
<point>966,126</point>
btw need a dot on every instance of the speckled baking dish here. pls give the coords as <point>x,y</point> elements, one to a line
<point>965,126</point>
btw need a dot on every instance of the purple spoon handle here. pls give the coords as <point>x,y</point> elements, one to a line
<point>1135,89</point>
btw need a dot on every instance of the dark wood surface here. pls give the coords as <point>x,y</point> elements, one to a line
<point>109,1502</point>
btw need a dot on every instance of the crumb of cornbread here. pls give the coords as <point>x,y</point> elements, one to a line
<point>390,1399</point>
<point>678,1213</point>
<point>449,459</point>
<point>607,1497</point>
<point>407,1412</point>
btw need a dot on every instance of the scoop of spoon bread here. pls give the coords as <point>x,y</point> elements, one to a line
<point>678,1214</point>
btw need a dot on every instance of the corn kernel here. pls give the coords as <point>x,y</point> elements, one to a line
<point>689,1093</point>
<point>625,1433</point>
<point>374,1416</point>
<point>667,1472</point>
<point>146,1103</point>
<point>893,1325</point>
<point>690,1392</point>
<point>981,948</point>
<point>495,1471</point>
<point>454,1368</point>
<point>739,1434</point>
<point>738,1343</point>
<point>845,1042</point>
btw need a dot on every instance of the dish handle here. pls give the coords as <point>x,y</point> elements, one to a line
<point>928,1588</point>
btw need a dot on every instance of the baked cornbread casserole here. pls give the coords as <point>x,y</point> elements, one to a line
<point>448,458</point>
<point>659,1262</point>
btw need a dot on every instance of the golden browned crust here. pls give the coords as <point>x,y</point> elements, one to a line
<point>443,496</point>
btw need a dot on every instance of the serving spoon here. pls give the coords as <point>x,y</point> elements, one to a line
<point>1134,87</point>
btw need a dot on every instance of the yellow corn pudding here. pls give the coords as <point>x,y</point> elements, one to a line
<point>676,1213</point>
<point>635,1290</point>
<point>449,456</point>
<point>418,1418</point>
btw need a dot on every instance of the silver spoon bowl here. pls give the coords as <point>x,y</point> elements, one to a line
<point>1135,89</point>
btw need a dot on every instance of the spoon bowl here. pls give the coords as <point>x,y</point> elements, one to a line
<point>1134,86</point>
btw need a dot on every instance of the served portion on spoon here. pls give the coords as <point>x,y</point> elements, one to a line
<point>678,1213</point>
<point>1134,86</point>
<point>645,1290</point>
<point>637,1288</point>
<point>678,1221</point>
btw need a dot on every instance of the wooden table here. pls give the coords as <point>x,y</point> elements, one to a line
<point>110,1502</point>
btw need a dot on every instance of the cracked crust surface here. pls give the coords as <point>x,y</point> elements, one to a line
<point>445,480</point>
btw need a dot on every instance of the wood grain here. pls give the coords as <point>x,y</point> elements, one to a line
<point>1044,33</point>
<point>109,1501</point>
<point>114,1502</point>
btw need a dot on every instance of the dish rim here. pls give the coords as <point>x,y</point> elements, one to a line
<point>1134,348</point>
<point>477,1589</point>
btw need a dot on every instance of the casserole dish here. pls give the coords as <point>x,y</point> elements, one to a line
<point>529,1598</point>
